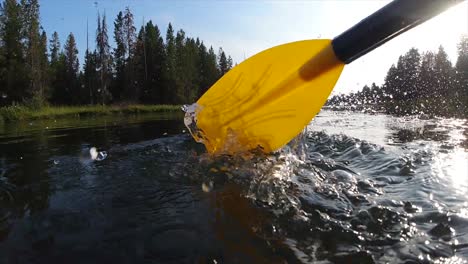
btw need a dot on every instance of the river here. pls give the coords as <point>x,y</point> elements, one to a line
<point>353,188</point>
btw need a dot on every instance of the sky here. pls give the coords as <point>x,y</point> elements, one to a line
<point>243,28</point>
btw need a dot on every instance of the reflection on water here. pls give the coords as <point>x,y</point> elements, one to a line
<point>355,188</point>
<point>441,141</point>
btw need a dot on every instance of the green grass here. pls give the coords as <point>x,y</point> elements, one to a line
<point>14,113</point>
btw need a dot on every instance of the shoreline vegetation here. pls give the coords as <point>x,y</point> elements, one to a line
<point>145,70</point>
<point>128,64</point>
<point>18,113</point>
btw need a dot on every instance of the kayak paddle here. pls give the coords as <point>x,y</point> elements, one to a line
<point>268,99</point>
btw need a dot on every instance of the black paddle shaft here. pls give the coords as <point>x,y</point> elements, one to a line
<point>385,24</point>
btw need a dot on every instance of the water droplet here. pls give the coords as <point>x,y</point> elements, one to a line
<point>207,187</point>
<point>98,156</point>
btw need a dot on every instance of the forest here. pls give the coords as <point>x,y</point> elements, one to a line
<point>420,83</point>
<point>143,67</point>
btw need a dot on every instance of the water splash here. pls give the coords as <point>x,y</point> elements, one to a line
<point>190,121</point>
<point>97,155</point>
<point>231,143</point>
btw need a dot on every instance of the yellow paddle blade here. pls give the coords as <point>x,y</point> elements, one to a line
<point>268,99</point>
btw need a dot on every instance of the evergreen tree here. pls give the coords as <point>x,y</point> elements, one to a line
<point>203,60</point>
<point>223,64</point>
<point>71,69</point>
<point>376,95</point>
<point>444,75</point>
<point>409,69</point>
<point>191,79</point>
<point>229,63</point>
<point>129,31</point>
<point>44,67</point>
<point>425,87</point>
<point>461,84</point>
<point>56,68</point>
<point>153,88</point>
<point>137,69</point>
<point>90,78</point>
<point>3,91</point>
<point>59,84</point>
<point>13,70</point>
<point>124,36</point>
<point>120,52</point>
<point>32,46</point>
<point>170,69</point>
<point>211,69</point>
<point>179,64</point>
<point>54,48</point>
<point>104,61</point>
<point>401,82</point>
<point>130,40</point>
<point>390,85</point>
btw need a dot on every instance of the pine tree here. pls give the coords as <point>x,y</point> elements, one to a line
<point>401,82</point>
<point>31,37</point>
<point>104,61</point>
<point>229,63</point>
<point>170,69</point>
<point>191,79</point>
<point>3,91</point>
<point>13,70</point>
<point>130,42</point>
<point>59,85</point>
<point>72,68</point>
<point>202,69</point>
<point>137,69</point>
<point>409,69</point>
<point>44,67</point>
<point>223,65</point>
<point>56,68</point>
<point>124,36</point>
<point>120,52</point>
<point>376,96</point>
<point>461,84</point>
<point>179,64</point>
<point>211,70</point>
<point>129,31</point>
<point>54,48</point>
<point>90,78</point>
<point>444,74</point>
<point>425,88</point>
<point>390,87</point>
<point>153,89</point>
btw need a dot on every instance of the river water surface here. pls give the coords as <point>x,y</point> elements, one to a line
<point>353,188</point>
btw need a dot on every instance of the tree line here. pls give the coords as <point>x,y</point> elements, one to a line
<point>141,68</point>
<point>419,83</point>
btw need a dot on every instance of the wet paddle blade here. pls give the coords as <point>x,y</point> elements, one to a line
<point>267,100</point>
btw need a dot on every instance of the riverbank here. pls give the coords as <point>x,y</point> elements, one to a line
<point>16,113</point>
